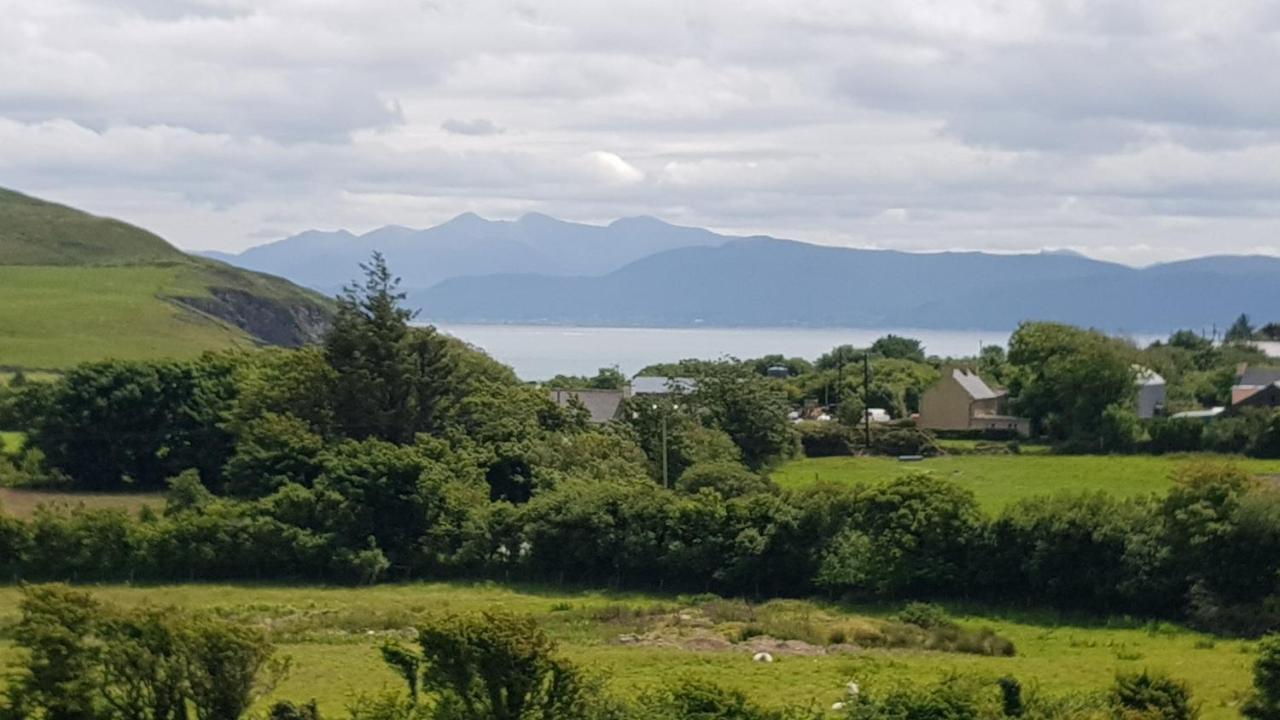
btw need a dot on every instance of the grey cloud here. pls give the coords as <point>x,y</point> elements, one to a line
<point>475,126</point>
<point>1073,124</point>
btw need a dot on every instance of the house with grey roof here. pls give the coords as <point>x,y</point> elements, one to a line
<point>962,401</point>
<point>658,385</point>
<point>1256,387</point>
<point>602,405</point>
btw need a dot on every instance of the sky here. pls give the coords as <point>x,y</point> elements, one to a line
<point>1137,131</point>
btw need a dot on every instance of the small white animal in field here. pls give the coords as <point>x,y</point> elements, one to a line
<point>852,689</point>
<point>837,706</point>
<point>763,657</point>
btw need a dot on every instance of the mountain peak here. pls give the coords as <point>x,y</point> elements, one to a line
<point>537,218</point>
<point>640,221</point>
<point>467,220</point>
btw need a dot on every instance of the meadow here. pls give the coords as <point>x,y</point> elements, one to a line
<point>333,634</point>
<point>55,317</point>
<point>10,442</point>
<point>999,480</point>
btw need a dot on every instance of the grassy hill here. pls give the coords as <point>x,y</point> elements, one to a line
<point>76,287</point>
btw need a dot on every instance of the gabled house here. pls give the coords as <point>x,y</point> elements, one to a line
<point>1256,388</point>
<point>658,385</point>
<point>602,405</point>
<point>962,401</point>
<point>1151,392</point>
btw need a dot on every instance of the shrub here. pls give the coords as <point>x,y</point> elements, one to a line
<point>1148,696</point>
<point>925,615</point>
<point>728,480</point>
<point>1171,435</point>
<point>1263,702</point>
<point>824,439</point>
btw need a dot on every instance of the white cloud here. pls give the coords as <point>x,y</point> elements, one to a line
<point>1137,131</point>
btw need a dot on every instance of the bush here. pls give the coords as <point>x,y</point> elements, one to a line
<point>727,480</point>
<point>824,439</point>
<point>1263,702</point>
<point>925,615</point>
<point>1147,696</point>
<point>1173,435</point>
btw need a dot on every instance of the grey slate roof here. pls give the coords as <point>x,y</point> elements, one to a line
<point>1259,376</point>
<point>601,404</point>
<point>656,385</point>
<point>972,384</point>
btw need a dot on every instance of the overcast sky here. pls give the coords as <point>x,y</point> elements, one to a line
<point>1132,130</point>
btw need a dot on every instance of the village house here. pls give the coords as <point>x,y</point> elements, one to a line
<point>1256,388</point>
<point>1151,393</point>
<point>962,401</point>
<point>602,405</point>
<point>657,385</point>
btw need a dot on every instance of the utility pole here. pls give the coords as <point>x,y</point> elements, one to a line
<point>665,410</point>
<point>666,478</point>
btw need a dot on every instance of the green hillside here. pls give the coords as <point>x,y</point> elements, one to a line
<point>76,287</point>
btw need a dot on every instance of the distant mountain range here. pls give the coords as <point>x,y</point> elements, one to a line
<point>470,245</point>
<point>641,271</point>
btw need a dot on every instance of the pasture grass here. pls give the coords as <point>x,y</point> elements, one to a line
<point>56,317</point>
<point>22,502</point>
<point>10,442</point>
<point>333,635</point>
<point>1000,480</point>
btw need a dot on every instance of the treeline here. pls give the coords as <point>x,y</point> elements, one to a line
<point>1209,551</point>
<point>82,659</point>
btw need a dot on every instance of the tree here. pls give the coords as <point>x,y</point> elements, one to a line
<point>1263,702</point>
<point>86,660</point>
<point>896,347</point>
<point>751,409</point>
<point>1064,378</point>
<point>112,423</point>
<point>492,666</point>
<point>913,535</point>
<point>1241,331</point>
<point>365,346</point>
<point>839,356</point>
<point>228,667</point>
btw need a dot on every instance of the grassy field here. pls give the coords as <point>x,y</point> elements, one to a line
<point>55,317</point>
<point>10,442</point>
<point>22,503</point>
<point>333,634</point>
<point>6,376</point>
<point>999,480</point>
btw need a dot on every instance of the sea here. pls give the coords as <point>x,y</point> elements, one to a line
<point>539,352</point>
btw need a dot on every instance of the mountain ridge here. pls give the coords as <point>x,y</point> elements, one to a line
<point>766,282</point>
<point>470,245</point>
<point>81,287</point>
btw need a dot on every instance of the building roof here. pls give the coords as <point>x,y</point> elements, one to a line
<point>602,405</point>
<point>1147,376</point>
<point>1200,414</point>
<point>1258,376</point>
<point>1270,348</point>
<point>657,385</point>
<point>974,385</point>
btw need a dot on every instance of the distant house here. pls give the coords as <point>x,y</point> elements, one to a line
<point>962,401</point>
<point>657,385</point>
<point>1256,388</point>
<point>1151,392</point>
<point>602,405</point>
<point>1270,348</point>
